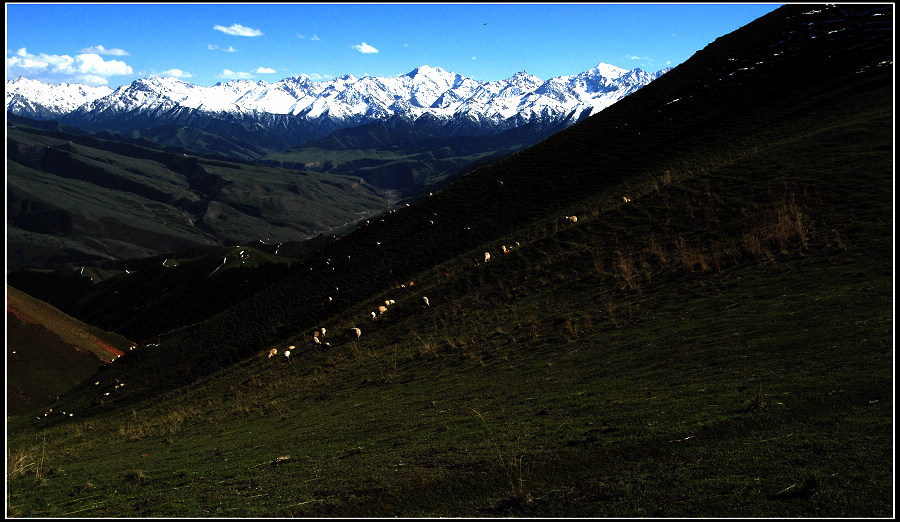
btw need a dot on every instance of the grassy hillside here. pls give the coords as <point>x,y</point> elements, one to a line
<point>142,299</point>
<point>407,158</point>
<point>718,345</point>
<point>48,352</point>
<point>78,199</point>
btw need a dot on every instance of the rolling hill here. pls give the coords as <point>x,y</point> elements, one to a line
<point>711,337</point>
<point>84,200</point>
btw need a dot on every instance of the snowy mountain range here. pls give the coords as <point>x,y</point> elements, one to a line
<point>299,109</point>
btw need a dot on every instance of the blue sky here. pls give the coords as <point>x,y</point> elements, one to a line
<point>114,44</point>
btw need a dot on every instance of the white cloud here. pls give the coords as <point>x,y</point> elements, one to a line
<point>474,58</point>
<point>214,47</point>
<point>177,73</point>
<point>300,36</point>
<point>90,63</point>
<point>365,48</point>
<point>238,30</point>
<point>265,70</point>
<point>317,76</point>
<point>315,38</point>
<point>99,49</point>
<point>88,68</point>
<point>228,74</point>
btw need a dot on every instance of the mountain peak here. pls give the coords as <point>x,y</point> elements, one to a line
<point>427,71</point>
<point>607,71</point>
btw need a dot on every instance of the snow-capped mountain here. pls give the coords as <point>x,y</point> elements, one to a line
<point>36,99</point>
<point>300,109</point>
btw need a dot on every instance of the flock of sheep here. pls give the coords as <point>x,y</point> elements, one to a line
<point>354,332</point>
<point>318,336</point>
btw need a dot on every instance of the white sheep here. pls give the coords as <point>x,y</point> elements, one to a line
<point>572,219</point>
<point>272,352</point>
<point>626,199</point>
<point>323,332</point>
<point>373,316</point>
<point>287,354</point>
<point>487,257</point>
<point>357,331</point>
<point>425,301</point>
<point>316,338</point>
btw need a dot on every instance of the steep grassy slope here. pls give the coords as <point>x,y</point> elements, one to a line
<point>156,295</point>
<point>76,199</point>
<point>48,352</point>
<point>720,345</point>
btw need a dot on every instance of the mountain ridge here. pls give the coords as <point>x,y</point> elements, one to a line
<point>302,110</point>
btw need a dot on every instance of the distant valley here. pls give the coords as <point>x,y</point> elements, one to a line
<point>177,165</point>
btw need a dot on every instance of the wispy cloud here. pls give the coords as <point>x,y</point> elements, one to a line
<point>317,76</point>
<point>214,47</point>
<point>228,74</point>
<point>365,48</point>
<point>238,30</point>
<point>315,37</point>
<point>177,73</point>
<point>99,49</point>
<point>265,70</point>
<point>646,61</point>
<point>89,68</point>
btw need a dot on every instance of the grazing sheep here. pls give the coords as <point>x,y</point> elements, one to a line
<point>387,302</point>
<point>272,352</point>
<point>572,219</point>
<point>316,338</point>
<point>357,331</point>
<point>323,332</point>
<point>626,199</point>
<point>425,301</point>
<point>505,250</point>
<point>487,257</point>
<point>287,354</point>
<point>382,309</point>
<point>373,316</point>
